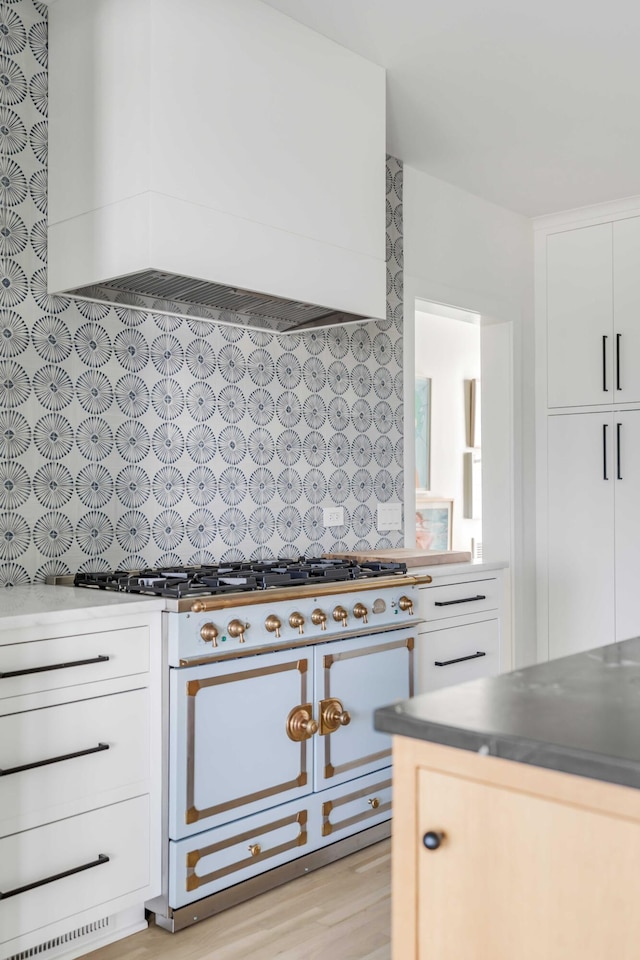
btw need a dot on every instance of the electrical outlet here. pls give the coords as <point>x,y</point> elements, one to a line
<point>333,516</point>
<point>389,516</point>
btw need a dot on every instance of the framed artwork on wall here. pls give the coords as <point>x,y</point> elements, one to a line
<point>423,433</point>
<point>434,523</point>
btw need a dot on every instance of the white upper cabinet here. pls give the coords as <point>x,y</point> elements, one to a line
<point>215,139</point>
<point>580,336</point>
<point>593,309</point>
<point>626,309</point>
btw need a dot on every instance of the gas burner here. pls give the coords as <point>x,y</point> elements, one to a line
<point>235,576</point>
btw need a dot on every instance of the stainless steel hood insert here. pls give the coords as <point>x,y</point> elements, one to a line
<point>203,300</point>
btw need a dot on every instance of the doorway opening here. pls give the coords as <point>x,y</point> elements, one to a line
<point>448,434</point>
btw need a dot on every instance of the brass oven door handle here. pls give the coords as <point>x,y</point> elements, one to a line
<point>300,723</point>
<point>332,716</point>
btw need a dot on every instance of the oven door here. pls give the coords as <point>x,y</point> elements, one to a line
<point>353,678</point>
<point>240,738</point>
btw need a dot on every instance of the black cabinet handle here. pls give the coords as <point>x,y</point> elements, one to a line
<point>618,444</point>
<point>604,451</point>
<point>472,656</point>
<point>618,337</point>
<point>57,876</point>
<point>45,763</point>
<point>604,364</point>
<point>449,603</point>
<point>54,666</point>
<point>432,839</point>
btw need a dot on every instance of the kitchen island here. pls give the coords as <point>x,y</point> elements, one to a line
<point>517,813</point>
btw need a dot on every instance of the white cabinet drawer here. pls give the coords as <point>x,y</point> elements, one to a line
<point>66,661</point>
<point>219,858</point>
<point>35,890</point>
<point>456,654</point>
<point>355,806</point>
<point>69,754</point>
<point>458,599</point>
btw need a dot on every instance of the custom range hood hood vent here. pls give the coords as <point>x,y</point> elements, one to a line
<point>217,160</point>
<point>204,300</point>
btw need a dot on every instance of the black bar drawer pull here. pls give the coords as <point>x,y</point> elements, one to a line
<point>57,876</point>
<point>45,763</point>
<point>54,666</point>
<point>604,365</point>
<point>604,451</point>
<point>618,336</point>
<point>449,603</point>
<point>472,656</point>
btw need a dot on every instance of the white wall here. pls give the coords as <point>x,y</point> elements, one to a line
<point>466,252</point>
<point>448,352</point>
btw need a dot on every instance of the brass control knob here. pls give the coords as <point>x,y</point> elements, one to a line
<point>255,849</point>
<point>300,723</point>
<point>340,615</point>
<point>297,620</point>
<point>319,619</point>
<point>273,624</point>
<point>209,633</point>
<point>374,803</point>
<point>361,612</point>
<point>406,603</point>
<point>237,628</point>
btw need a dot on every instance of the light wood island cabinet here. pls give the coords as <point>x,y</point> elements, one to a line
<point>516,832</point>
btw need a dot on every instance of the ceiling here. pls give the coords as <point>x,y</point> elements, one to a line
<point>532,105</point>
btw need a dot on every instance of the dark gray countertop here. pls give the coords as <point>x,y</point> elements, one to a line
<point>579,714</point>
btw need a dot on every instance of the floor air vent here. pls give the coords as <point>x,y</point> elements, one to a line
<point>46,947</point>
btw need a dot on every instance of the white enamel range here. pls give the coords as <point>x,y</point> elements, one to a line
<point>274,767</point>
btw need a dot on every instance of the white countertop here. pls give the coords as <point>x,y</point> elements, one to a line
<point>41,604</point>
<point>455,569</point>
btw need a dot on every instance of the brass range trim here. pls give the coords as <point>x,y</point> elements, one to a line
<point>375,810</point>
<point>192,813</point>
<point>181,917</point>
<point>256,853</point>
<point>279,594</point>
<point>312,641</point>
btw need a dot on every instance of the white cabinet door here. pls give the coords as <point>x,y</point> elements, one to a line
<point>580,336</point>
<point>581,479</point>
<point>627,467</point>
<point>626,310</point>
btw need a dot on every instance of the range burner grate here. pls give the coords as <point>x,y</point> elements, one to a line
<point>234,576</point>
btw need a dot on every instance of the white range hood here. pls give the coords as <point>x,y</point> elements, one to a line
<point>216,159</point>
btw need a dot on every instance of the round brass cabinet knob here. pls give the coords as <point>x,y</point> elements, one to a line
<point>340,615</point>
<point>319,619</point>
<point>374,803</point>
<point>297,620</point>
<point>406,603</point>
<point>255,849</point>
<point>333,716</point>
<point>273,624</point>
<point>237,628</point>
<point>361,612</point>
<point>209,633</point>
<point>300,724</point>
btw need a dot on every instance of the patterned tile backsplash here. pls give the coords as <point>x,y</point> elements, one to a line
<point>128,438</point>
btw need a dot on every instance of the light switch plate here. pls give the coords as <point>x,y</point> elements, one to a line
<point>389,516</point>
<point>333,516</point>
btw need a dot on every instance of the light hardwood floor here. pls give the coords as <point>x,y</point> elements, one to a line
<point>340,912</point>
